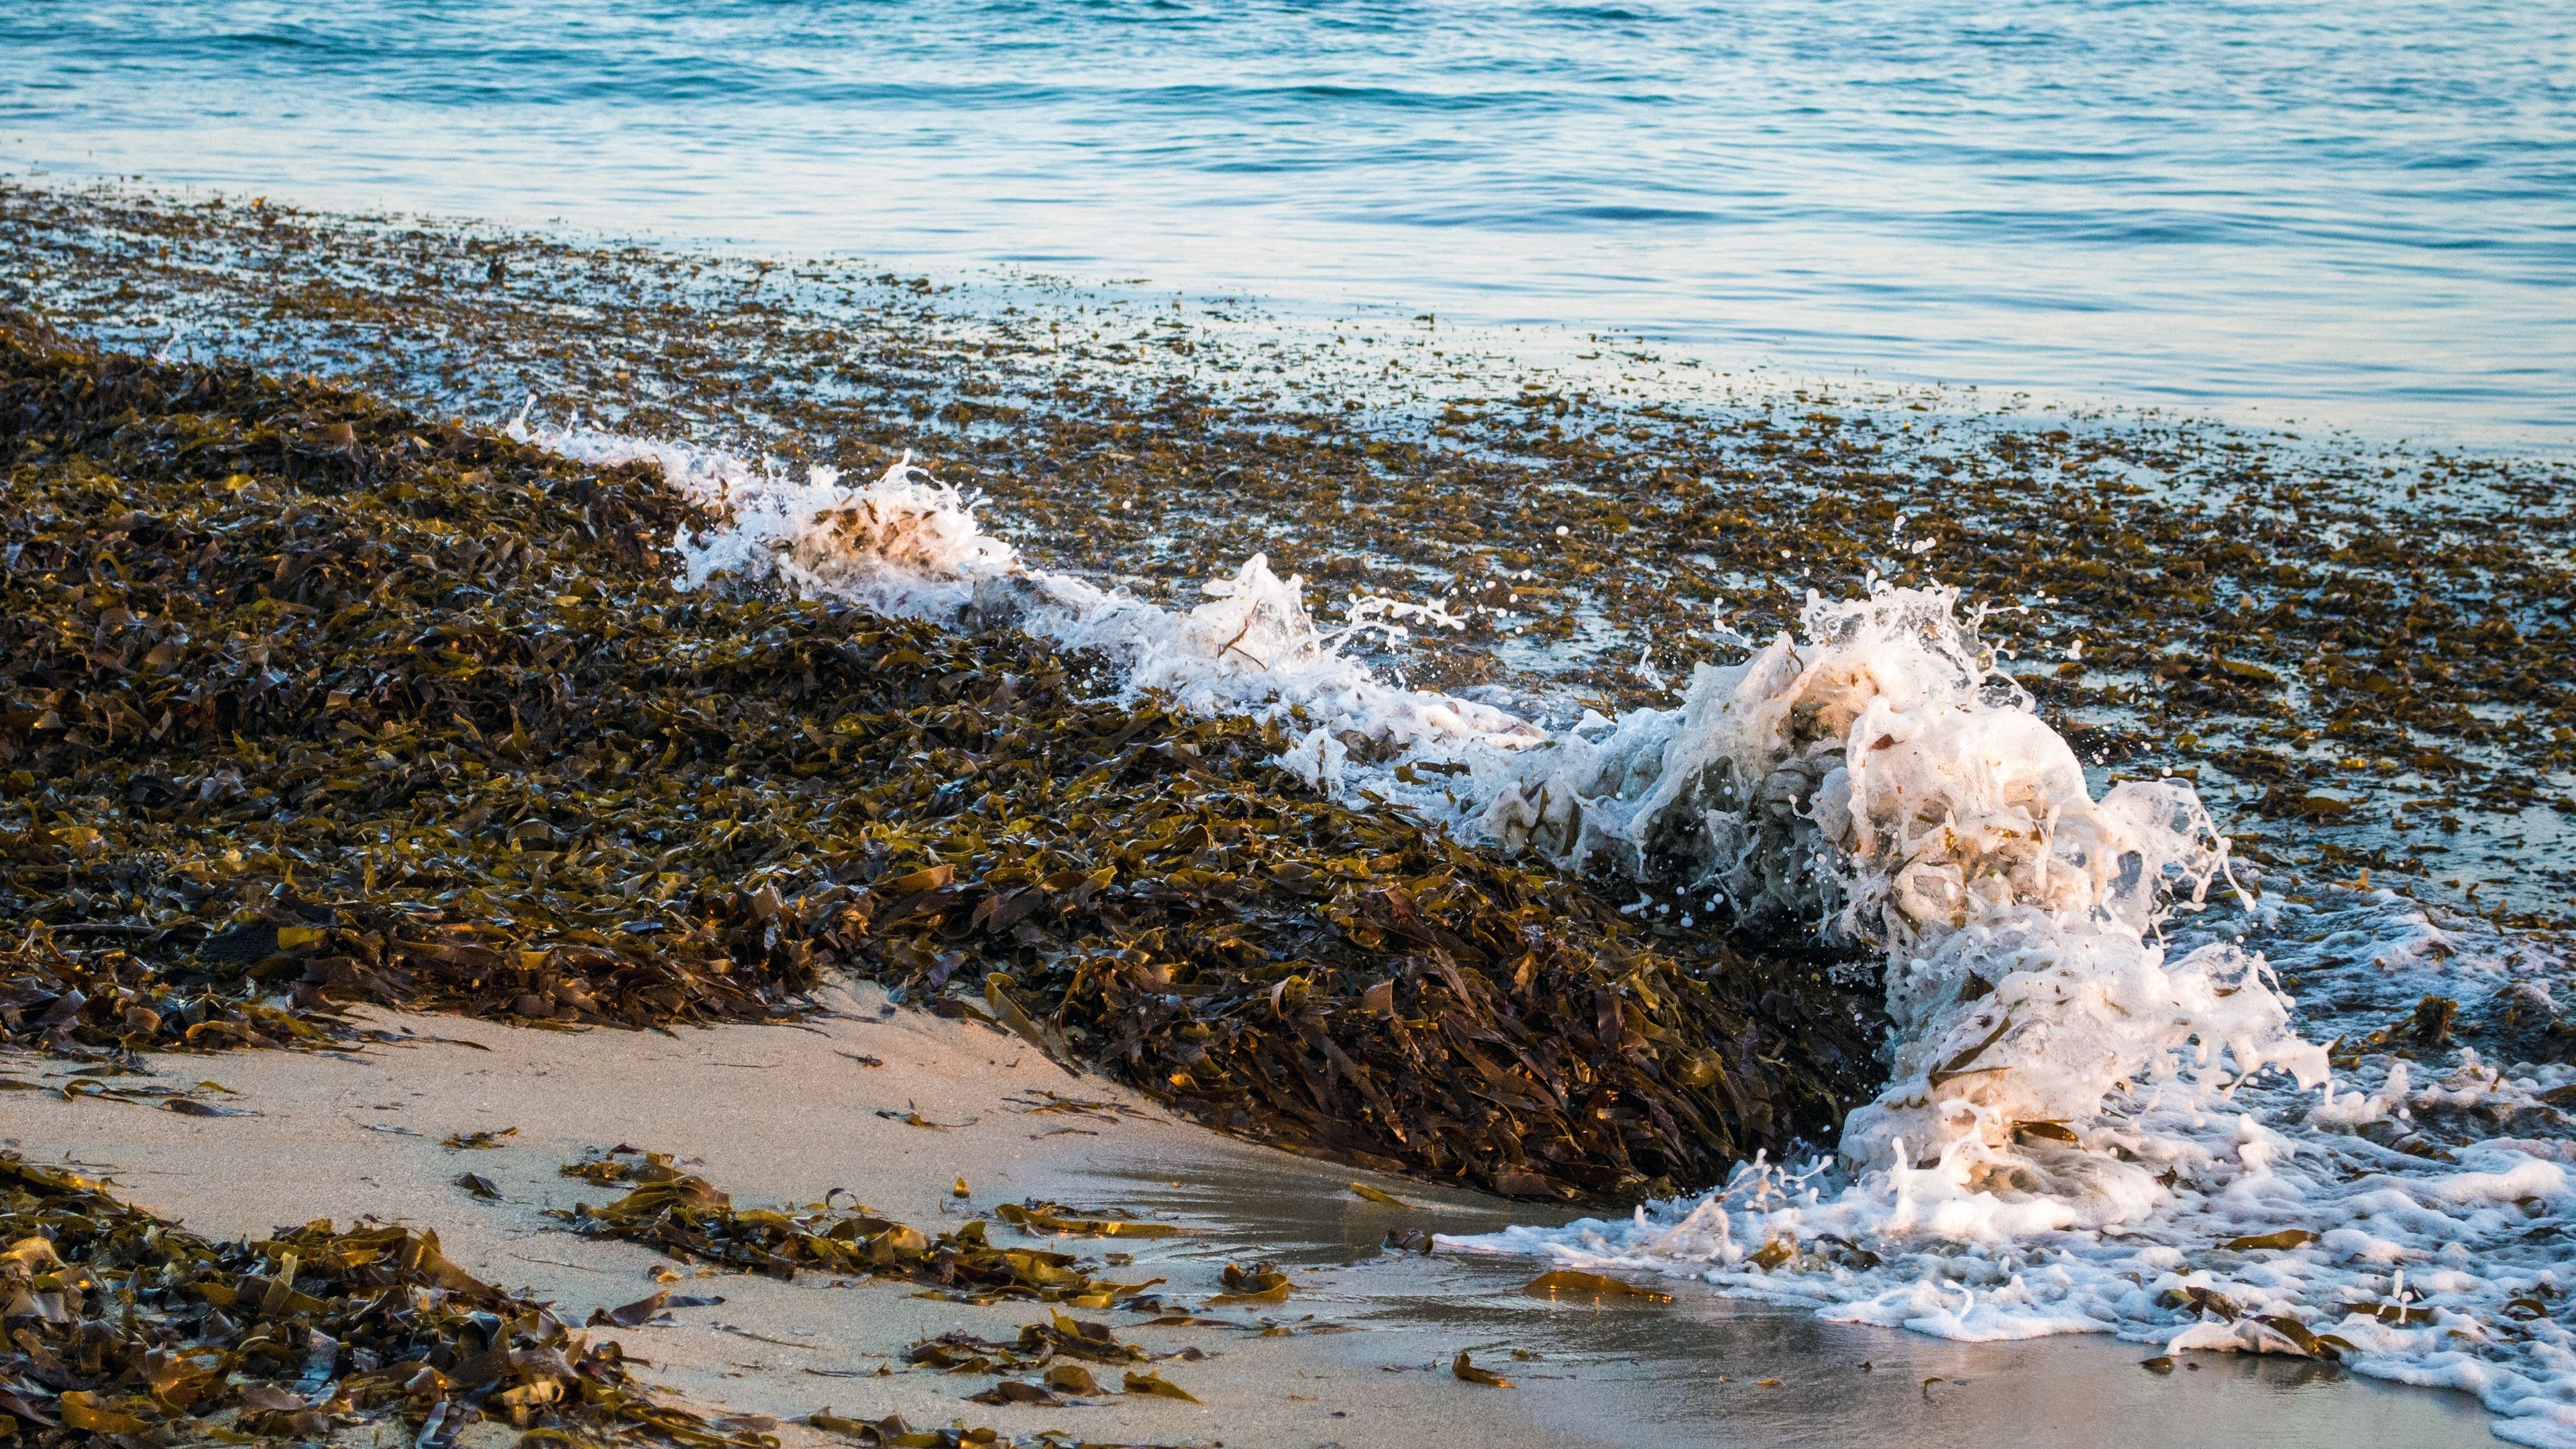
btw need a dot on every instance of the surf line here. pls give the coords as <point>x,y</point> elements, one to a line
<point>2085,1129</point>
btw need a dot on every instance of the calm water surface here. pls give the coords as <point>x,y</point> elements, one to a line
<point>2359,213</point>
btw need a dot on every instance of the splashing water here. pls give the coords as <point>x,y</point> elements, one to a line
<point>2093,1123</point>
<point>2087,1128</point>
<point>1877,784</point>
<point>906,544</point>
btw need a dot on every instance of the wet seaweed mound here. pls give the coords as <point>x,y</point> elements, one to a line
<point>311,701</point>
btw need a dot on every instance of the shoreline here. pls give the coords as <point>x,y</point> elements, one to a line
<point>1126,456</point>
<point>1459,656</point>
<point>1597,1375</point>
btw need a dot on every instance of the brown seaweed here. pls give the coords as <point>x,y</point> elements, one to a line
<point>318,702</point>
<point>123,1324</point>
<point>1567,1282</point>
<point>2362,644</point>
<point>688,1217</point>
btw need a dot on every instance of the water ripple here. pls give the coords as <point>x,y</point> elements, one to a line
<point>2353,211</point>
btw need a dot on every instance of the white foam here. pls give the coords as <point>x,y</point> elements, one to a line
<point>909,545</point>
<point>1874,783</point>
<point>2440,1273</point>
<point>2083,1110</point>
<point>2089,1094</point>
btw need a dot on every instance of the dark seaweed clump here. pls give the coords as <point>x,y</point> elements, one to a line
<point>128,1330</point>
<point>690,1218</point>
<point>312,701</point>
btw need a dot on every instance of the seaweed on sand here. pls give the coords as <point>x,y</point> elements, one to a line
<point>2360,651</point>
<point>127,1328</point>
<point>310,701</point>
<point>690,1218</point>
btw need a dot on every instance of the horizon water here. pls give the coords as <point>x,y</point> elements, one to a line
<point>2342,215</point>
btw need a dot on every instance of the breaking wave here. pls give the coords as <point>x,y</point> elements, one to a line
<point>2100,1116</point>
<point>908,544</point>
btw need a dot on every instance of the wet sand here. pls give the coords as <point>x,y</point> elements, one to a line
<point>777,1113</point>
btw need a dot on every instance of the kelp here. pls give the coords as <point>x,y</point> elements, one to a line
<point>128,1327</point>
<point>1569,1283</point>
<point>1261,1283</point>
<point>311,702</point>
<point>891,1432</point>
<point>1047,1217</point>
<point>690,1218</point>
<point>1061,1352</point>
<point>2358,648</point>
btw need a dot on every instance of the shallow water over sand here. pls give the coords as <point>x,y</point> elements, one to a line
<point>1691,1371</point>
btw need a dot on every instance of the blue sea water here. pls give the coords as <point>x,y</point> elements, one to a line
<point>2357,214</point>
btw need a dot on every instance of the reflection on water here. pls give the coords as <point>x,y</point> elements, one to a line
<point>1691,1371</point>
<point>2346,212</point>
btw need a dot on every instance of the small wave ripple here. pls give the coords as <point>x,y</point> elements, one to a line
<point>2349,214</point>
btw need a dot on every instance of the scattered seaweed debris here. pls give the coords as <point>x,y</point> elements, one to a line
<point>891,1432</point>
<point>1037,1218</point>
<point>688,1217</point>
<point>1261,1283</point>
<point>127,1325</point>
<point>1039,1101</point>
<point>1463,1368</point>
<point>311,701</point>
<point>1152,1382</point>
<point>1062,1352</point>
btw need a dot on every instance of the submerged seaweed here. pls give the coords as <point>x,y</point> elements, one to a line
<point>312,701</point>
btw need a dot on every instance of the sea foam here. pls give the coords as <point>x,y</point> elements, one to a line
<point>2100,1114</point>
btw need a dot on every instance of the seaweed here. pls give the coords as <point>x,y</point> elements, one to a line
<point>1060,1351</point>
<point>2364,645</point>
<point>128,1327</point>
<point>689,1218</point>
<point>1568,1282</point>
<point>312,702</point>
<point>891,1432</point>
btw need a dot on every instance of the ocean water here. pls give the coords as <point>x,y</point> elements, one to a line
<point>2346,214</point>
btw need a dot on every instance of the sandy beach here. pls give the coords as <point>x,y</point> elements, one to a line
<point>774,1114</point>
<point>785,1115</point>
